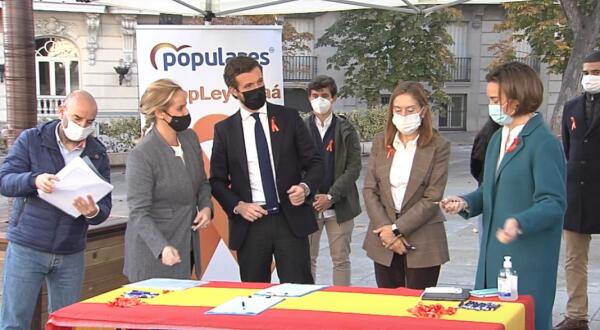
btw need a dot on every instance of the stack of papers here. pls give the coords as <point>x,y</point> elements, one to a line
<point>251,305</point>
<point>290,290</point>
<point>165,284</point>
<point>77,179</point>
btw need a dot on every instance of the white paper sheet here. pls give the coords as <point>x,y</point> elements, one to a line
<point>165,284</point>
<point>290,290</point>
<point>251,305</point>
<point>77,179</point>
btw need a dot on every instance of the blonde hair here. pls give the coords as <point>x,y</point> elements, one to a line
<point>157,97</point>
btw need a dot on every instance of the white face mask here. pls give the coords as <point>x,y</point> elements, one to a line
<point>320,105</point>
<point>407,124</point>
<point>591,84</point>
<point>75,132</point>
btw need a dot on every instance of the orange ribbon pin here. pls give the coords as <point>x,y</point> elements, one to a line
<point>274,127</point>
<point>330,146</point>
<point>390,151</point>
<point>573,123</point>
<point>513,146</point>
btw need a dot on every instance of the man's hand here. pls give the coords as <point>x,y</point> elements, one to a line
<point>453,204</point>
<point>86,206</point>
<point>509,232</point>
<point>45,182</point>
<point>202,219</point>
<point>296,195</point>
<point>250,211</point>
<point>321,203</point>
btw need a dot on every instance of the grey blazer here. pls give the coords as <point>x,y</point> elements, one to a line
<point>163,196</point>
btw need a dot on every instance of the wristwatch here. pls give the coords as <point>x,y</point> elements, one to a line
<point>396,231</point>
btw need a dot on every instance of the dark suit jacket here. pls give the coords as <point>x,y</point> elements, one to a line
<point>581,141</point>
<point>296,160</point>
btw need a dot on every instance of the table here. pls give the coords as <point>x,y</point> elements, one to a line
<point>332,307</point>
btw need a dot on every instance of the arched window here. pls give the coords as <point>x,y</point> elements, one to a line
<point>57,66</point>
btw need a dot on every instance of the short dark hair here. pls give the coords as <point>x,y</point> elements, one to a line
<point>322,81</point>
<point>236,66</point>
<point>593,57</point>
<point>521,83</point>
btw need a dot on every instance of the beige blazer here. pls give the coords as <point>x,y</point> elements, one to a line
<point>420,221</point>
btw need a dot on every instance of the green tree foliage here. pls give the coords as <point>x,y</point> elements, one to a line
<point>378,48</point>
<point>543,24</point>
<point>561,33</point>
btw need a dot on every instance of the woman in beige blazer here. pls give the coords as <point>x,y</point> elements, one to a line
<point>406,177</point>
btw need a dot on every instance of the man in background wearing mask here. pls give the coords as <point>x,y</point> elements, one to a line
<point>263,170</point>
<point>44,242</point>
<point>581,141</point>
<point>336,200</point>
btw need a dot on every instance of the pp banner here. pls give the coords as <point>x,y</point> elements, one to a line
<point>195,56</point>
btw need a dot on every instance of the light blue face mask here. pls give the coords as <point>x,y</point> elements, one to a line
<point>498,115</point>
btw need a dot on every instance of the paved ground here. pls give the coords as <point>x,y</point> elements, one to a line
<point>462,240</point>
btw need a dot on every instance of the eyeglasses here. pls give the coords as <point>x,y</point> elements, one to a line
<point>407,111</point>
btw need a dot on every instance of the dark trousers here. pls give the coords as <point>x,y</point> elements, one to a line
<point>271,236</point>
<point>398,275</point>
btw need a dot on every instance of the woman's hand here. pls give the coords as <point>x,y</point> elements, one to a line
<point>386,235</point>
<point>202,219</point>
<point>453,204</point>
<point>169,256</point>
<point>509,232</point>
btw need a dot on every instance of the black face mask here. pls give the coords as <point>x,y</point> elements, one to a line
<point>180,123</point>
<point>255,98</point>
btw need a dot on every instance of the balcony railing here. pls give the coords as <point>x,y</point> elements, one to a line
<point>47,106</point>
<point>533,62</point>
<point>299,68</point>
<point>460,70</point>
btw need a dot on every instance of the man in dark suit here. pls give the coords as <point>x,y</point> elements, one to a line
<point>264,168</point>
<point>581,141</point>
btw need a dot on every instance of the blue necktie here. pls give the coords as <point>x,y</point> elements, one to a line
<point>264,162</point>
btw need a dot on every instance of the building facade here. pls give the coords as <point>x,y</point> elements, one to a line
<point>79,45</point>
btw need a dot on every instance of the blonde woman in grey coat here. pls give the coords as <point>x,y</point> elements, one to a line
<point>168,194</point>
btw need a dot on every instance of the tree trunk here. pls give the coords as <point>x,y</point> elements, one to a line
<point>19,50</point>
<point>586,28</point>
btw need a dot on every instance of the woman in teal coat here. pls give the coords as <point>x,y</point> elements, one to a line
<point>523,194</point>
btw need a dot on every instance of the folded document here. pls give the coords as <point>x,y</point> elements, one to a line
<point>77,179</point>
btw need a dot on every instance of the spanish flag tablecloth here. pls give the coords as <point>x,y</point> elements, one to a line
<point>330,308</point>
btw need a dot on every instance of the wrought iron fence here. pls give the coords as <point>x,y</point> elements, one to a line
<point>299,68</point>
<point>460,70</point>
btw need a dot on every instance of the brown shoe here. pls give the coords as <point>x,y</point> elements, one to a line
<point>571,324</point>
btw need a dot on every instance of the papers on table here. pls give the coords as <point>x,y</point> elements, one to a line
<point>251,305</point>
<point>77,179</point>
<point>165,284</point>
<point>290,290</point>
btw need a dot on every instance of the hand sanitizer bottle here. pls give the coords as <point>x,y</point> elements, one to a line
<point>508,282</point>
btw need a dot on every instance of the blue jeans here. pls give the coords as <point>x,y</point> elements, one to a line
<point>24,271</point>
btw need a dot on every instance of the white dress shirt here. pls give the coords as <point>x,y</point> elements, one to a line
<point>68,155</point>
<point>508,137</point>
<point>401,167</point>
<point>323,126</point>
<point>248,122</point>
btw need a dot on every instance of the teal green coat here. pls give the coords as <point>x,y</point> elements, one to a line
<point>529,186</point>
